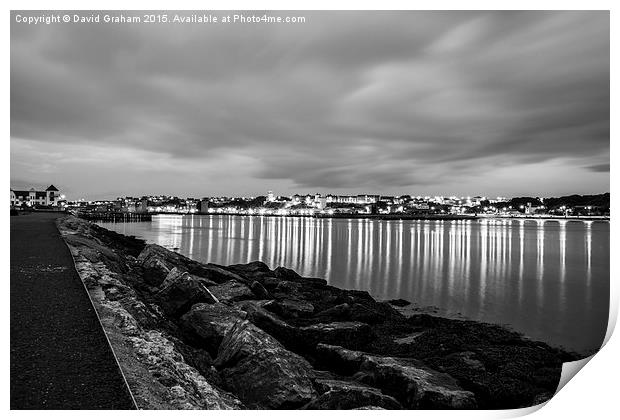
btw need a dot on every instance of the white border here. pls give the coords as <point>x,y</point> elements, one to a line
<point>591,394</point>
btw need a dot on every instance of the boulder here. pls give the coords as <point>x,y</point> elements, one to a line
<point>221,274</point>
<point>339,359</point>
<point>322,297</point>
<point>348,395</point>
<point>303,340</point>
<point>350,334</point>
<point>313,281</point>
<point>207,324</point>
<point>231,291</point>
<point>154,265</point>
<point>368,312</point>
<point>286,274</point>
<point>361,296</point>
<point>374,312</point>
<point>340,312</point>
<point>171,380</point>
<point>401,303</point>
<point>176,275</point>
<point>269,282</point>
<point>200,360</point>
<point>290,308</point>
<point>286,289</point>
<point>270,323</point>
<point>261,372</point>
<point>181,291</point>
<point>260,291</point>
<point>364,313</point>
<point>412,383</point>
<point>253,270</point>
<point>158,261</point>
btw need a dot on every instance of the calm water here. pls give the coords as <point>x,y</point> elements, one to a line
<point>546,279</point>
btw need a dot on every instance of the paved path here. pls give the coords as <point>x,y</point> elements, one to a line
<point>60,358</point>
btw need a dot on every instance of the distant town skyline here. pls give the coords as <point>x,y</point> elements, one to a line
<point>422,103</point>
<point>302,194</point>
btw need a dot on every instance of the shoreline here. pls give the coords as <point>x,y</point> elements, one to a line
<point>335,348</point>
<point>111,217</point>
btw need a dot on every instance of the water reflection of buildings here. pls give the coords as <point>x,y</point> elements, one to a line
<point>395,258</point>
<point>461,264</point>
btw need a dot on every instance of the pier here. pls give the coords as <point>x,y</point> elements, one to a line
<point>115,217</point>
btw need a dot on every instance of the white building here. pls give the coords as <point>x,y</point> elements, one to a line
<point>50,197</point>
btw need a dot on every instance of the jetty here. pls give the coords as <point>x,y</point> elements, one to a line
<point>115,217</point>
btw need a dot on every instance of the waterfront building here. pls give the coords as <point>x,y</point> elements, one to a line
<point>143,206</point>
<point>204,206</point>
<point>31,198</point>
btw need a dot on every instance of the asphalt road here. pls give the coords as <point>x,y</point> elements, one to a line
<point>60,358</point>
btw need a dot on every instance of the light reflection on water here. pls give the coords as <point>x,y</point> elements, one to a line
<point>547,279</point>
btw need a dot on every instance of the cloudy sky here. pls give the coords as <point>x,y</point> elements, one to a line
<point>464,103</point>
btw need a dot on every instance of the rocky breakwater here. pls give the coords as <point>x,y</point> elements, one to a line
<point>190,335</point>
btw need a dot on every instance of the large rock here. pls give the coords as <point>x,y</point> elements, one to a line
<point>340,312</point>
<point>180,291</point>
<point>261,372</point>
<point>259,290</point>
<point>253,270</point>
<point>175,275</point>
<point>286,274</point>
<point>314,281</point>
<point>350,334</point>
<point>339,359</point>
<point>177,384</point>
<point>231,291</point>
<point>414,384</point>
<point>401,303</point>
<point>321,296</point>
<point>348,395</point>
<point>269,282</point>
<point>360,308</point>
<point>373,312</point>
<point>207,324</point>
<point>287,289</point>
<point>270,323</point>
<point>411,382</point>
<point>158,261</point>
<point>304,339</point>
<point>290,308</point>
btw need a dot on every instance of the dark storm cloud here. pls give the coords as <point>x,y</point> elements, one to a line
<point>604,167</point>
<point>349,100</point>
